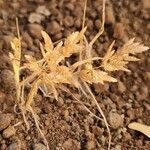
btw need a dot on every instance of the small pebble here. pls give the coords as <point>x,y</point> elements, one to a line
<point>81,109</point>
<point>65,114</point>
<point>8,132</point>
<point>97,130</point>
<point>90,24</point>
<point>7,40</point>
<point>3,147</point>
<point>39,146</point>
<point>35,30</point>
<point>8,79</point>
<point>47,122</point>
<point>103,140</point>
<point>60,102</point>
<point>147,74</point>
<point>69,6</point>
<point>119,32</point>
<point>143,94</point>
<point>2,97</point>
<point>77,23</point>
<point>39,1</point>
<point>58,36</point>
<point>28,138</point>
<point>90,145</point>
<point>1,44</point>
<point>43,10</point>
<point>99,88</point>
<point>14,146</point>
<point>115,120</point>
<point>35,18</point>
<point>5,120</point>
<point>53,28</point>
<point>110,17</point>
<point>118,147</point>
<point>121,87</point>
<point>98,24</point>
<point>27,38</point>
<point>71,144</point>
<point>68,21</point>
<point>146,4</point>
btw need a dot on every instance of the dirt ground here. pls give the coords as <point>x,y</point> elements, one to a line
<point>66,124</point>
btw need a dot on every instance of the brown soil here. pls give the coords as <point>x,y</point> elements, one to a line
<point>66,124</point>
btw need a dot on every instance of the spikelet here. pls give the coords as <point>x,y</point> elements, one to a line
<point>54,55</point>
<point>61,74</point>
<point>71,46</point>
<point>15,59</point>
<point>95,76</point>
<point>48,46</point>
<point>47,70</point>
<point>118,60</point>
<point>32,64</point>
<point>16,46</point>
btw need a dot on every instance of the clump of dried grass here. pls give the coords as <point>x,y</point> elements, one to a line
<point>49,73</point>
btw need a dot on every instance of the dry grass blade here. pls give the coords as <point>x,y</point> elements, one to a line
<point>118,60</point>
<point>140,127</point>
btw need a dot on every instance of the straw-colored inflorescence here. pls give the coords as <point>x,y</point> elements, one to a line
<point>52,71</point>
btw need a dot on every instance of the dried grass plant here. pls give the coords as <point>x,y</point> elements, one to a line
<point>49,73</point>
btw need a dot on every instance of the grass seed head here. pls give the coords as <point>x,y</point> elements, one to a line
<point>51,72</point>
<point>118,60</point>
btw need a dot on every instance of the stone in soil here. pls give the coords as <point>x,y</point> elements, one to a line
<point>115,120</point>
<point>7,39</point>
<point>39,146</point>
<point>146,4</point>
<point>68,21</point>
<point>121,87</point>
<point>35,18</point>
<point>14,146</point>
<point>71,144</point>
<point>8,132</point>
<point>53,28</point>
<point>65,114</point>
<point>43,10</point>
<point>35,30</point>
<point>5,120</point>
<point>27,39</point>
<point>119,32</point>
<point>81,109</point>
<point>7,77</point>
<point>110,17</point>
<point>60,102</point>
<point>2,97</point>
<point>90,145</point>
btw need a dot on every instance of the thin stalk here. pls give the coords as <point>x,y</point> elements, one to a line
<point>101,112</point>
